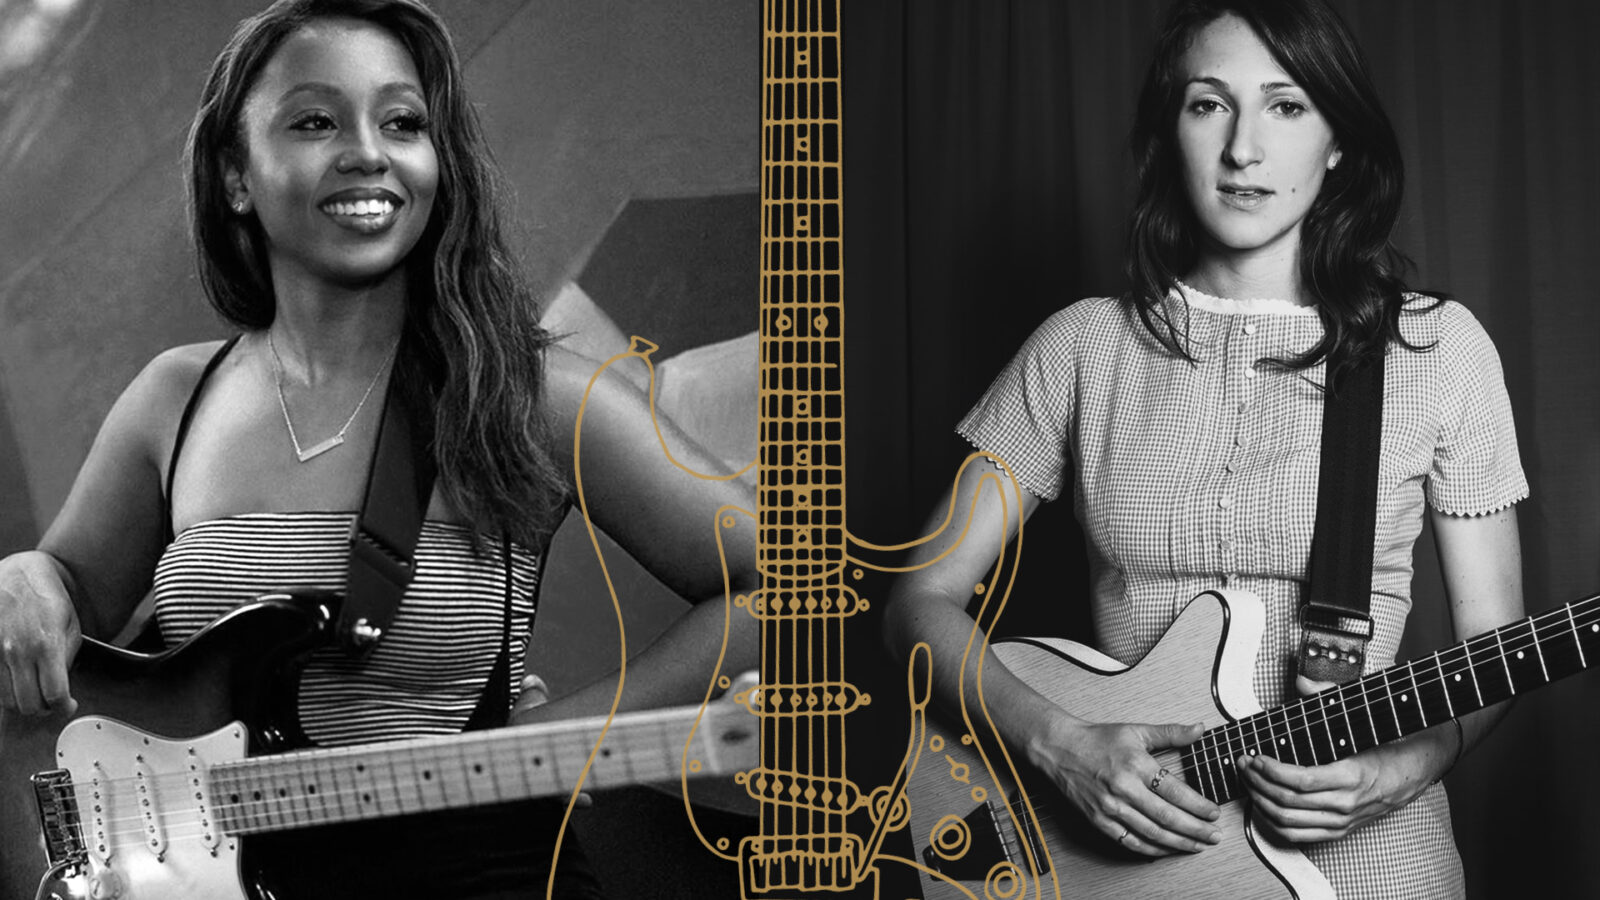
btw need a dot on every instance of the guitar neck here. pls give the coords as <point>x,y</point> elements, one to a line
<point>802,786</point>
<point>325,786</point>
<point>1403,699</point>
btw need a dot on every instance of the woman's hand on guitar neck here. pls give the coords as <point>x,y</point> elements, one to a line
<point>39,635</point>
<point>1108,772</point>
<point>1322,803</point>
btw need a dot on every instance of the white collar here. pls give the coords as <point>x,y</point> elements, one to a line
<point>1256,306</point>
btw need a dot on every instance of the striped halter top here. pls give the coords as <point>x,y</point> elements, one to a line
<point>427,673</point>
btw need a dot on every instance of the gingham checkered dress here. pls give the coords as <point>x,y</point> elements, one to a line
<point>1194,476</point>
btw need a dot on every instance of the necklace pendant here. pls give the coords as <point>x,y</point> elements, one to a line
<point>318,449</point>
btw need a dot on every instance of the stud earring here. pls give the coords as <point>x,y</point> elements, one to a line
<point>238,206</point>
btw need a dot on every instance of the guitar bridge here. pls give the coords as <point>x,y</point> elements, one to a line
<point>58,819</point>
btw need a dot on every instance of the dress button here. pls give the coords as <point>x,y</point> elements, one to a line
<point>1250,371</point>
<point>1231,466</point>
<point>1225,502</point>
<point>1250,328</point>
<point>1225,545</point>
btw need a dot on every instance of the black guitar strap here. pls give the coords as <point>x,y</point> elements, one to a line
<point>384,541</point>
<point>1335,622</point>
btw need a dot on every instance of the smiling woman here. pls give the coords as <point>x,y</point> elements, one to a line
<point>345,213</point>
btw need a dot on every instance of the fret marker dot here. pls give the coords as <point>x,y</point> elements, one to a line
<point>1341,742</point>
<point>1283,741</point>
<point>477,768</point>
<point>311,789</point>
<point>366,798</point>
<point>1458,677</point>
<point>1519,654</point>
<point>1405,698</point>
<point>427,775</point>
<point>1594,627</point>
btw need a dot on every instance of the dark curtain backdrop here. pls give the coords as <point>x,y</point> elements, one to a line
<point>987,184</point>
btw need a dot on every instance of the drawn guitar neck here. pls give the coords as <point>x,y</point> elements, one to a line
<point>804,791</point>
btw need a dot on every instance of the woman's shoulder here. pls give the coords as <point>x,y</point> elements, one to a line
<point>173,374</point>
<point>166,382</point>
<point>1087,318</point>
<point>142,419</point>
<point>1444,324</point>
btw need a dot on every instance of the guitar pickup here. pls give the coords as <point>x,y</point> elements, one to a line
<point>1333,645</point>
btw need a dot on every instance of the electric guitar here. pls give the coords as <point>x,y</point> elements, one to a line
<point>165,806</point>
<point>980,831</point>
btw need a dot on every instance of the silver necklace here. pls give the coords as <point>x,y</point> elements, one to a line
<point>318,449</point>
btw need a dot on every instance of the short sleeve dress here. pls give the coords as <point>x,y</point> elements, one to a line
<point>1193,476</point>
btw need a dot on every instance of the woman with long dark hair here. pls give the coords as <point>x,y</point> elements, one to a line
<point>345,212</point>
<point>1186,415</point>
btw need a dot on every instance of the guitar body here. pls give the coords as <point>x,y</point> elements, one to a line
<point>241,669</point>
<point>1032,843</point>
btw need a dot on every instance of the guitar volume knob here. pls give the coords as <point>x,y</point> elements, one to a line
<point>106,885</point>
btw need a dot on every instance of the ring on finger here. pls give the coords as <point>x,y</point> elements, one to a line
<point>1155,783</point>
<point>1124,835</point>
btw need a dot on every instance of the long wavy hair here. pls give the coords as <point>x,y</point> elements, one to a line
<point>1348,263</point>
<point>472,349</point>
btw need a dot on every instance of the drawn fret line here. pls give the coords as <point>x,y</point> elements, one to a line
<point>771,162</point>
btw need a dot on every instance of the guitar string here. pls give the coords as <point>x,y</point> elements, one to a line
<point>449,749</point>
<point>303,810</point>
<point>328,765</point>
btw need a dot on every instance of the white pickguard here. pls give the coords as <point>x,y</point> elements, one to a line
<point>144,811</point>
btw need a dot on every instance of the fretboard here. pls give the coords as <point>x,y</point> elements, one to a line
<point>317,787</point>
<point>1403,699</point>
<point>804,601</point>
